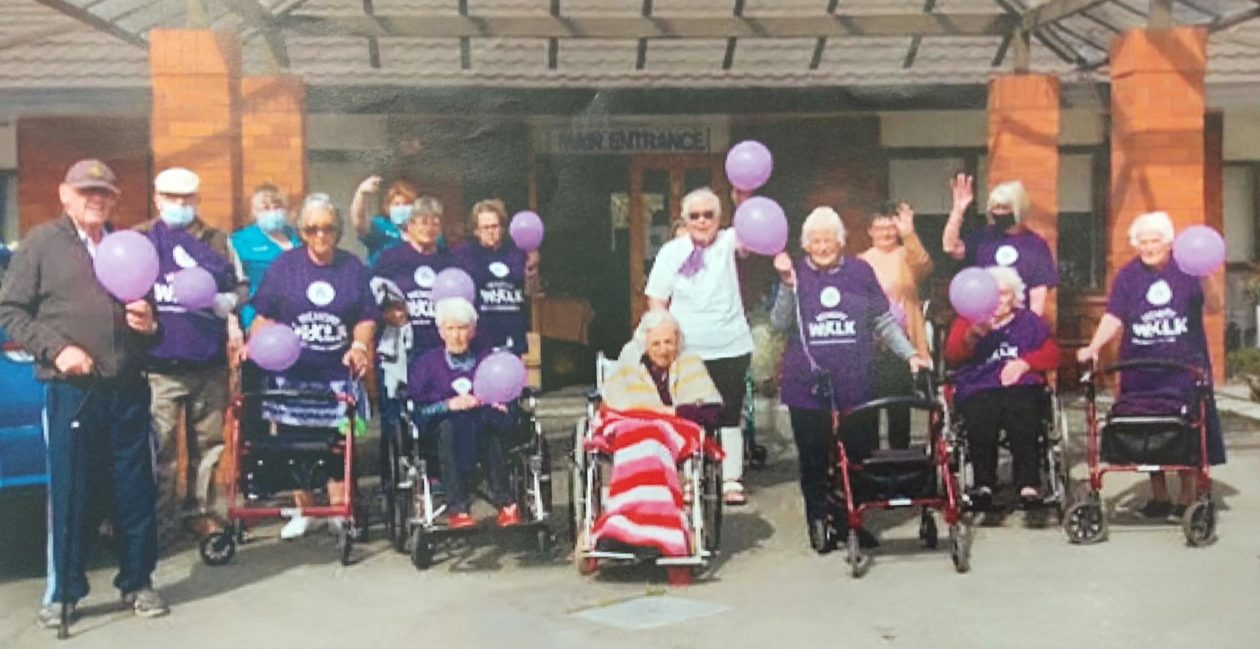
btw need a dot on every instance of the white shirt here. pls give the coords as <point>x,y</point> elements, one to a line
<point>707,304</point>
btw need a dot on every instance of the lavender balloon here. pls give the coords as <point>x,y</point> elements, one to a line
<point>499,378</point>
<point>1199,251</point>
<point>194,288</point>
<point>527,230</point>
<point>453,282</point>
<point>974,294</point>
<point>274,347</point>
<point>126,264</point>
<point>761,225</point>
<point>748,165</point>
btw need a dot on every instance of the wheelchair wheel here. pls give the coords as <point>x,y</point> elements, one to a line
<point>1199,523</point>
<point>858,563</point>
<point>544,539</point>
<point>712,485</point>
<point>421,549</point>
<point>960,547</point>
<point>218,548</point>
<point>928,535</point>
<point>400,518</point>
<point>586,566</point>
<point>1085,522</point>
<point>345,542</point>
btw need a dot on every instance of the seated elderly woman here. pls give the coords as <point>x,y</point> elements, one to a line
<point>998,386</point>
<point>468,430</point>
<point>656,404</point>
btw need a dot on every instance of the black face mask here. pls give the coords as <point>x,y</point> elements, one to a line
<point>1004,222</point>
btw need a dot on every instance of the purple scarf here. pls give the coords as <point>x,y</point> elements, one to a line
<point>695,261</point>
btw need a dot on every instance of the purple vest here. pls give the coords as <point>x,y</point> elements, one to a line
<point>430,378</point>
<point>1024,333</point>
<point>1162,313</point>
<point>194,336</point>
<point>499,276</point>
<point>413,273</point>
<point>837,319</point>
<point>1026,252</point>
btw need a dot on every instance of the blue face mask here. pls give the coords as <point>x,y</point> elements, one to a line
<point>400,214</point>
<point>271,220</point>
<point>177,216</point>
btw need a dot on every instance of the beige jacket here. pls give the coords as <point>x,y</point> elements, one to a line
<point>900,271</point>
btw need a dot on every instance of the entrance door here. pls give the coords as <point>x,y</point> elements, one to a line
<point>657,186</point>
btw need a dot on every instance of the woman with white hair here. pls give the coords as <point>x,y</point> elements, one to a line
<point>1157,311</point>
<point>468,431</point>
<point>998,386</point>
<point>1004,241</point>
<point>696,279</point>
<point>835,312</point>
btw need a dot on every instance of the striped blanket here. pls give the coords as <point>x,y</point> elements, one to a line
<point>645,507</point>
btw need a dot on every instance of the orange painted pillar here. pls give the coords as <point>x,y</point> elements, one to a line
<point>273,136</point>
<point>1023,141</point>
<point>1157,142</point>
<point>196,120</point>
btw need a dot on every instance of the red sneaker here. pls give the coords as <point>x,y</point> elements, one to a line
<point>509,516</point>
<point>461,520</point>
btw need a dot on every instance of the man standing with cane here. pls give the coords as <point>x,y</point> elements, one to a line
<point>90,350</point>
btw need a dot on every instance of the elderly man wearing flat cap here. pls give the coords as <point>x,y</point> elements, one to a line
<point>91,351</point>
<point>188,366</point>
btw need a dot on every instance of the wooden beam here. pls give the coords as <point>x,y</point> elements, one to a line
<point>1054,11</point>
<point>1160,14</point>
<point>96,22</point>
<point>258,18</point>
<point>633,27</point>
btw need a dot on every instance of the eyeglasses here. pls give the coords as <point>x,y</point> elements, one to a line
<point>312,230</point>
<point>707,214</point>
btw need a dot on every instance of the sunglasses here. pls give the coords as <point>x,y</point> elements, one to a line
<point>312,230</point>
<point>707,214</point>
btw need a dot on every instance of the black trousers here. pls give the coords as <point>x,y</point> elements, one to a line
<point>893,379</point>
<point>466,438</point>
<point>1017,410</point>
<point>811,429</point>
<point>728,377</point>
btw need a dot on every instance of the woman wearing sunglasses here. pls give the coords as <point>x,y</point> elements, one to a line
<point>695,278</point>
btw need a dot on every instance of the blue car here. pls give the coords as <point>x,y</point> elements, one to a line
<point>22,462</point>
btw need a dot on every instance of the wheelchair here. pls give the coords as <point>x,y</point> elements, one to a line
<point>415,500</point>
<point>1161,439</point>
<point>701,478</point>
<point>1052,442</point>
<point>892,478</point>
<point>268,466</point>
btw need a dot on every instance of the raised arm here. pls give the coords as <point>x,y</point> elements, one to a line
<point>962,187</point>
<point>358,205</point>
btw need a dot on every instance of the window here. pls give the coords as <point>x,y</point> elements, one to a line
<point>8,207</point>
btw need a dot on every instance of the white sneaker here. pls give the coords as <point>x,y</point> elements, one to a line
<point>295,528</point>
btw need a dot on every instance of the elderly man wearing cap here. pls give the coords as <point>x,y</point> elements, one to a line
<point>91,351</point>
<point>188,366</point>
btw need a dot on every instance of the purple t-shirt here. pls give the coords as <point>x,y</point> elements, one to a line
<point>413,272</point>
<point>499,276</point>
<point>322,304</point>
<point>195,336</point>
<point>837,309</point>
<point>430,378</point>
<point>1026,252</point>
<point>1162,313</point>
<point>1024,333</point>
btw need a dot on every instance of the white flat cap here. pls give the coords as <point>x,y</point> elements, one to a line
<point>176,180</point>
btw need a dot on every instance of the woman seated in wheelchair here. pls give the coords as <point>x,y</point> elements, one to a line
<point>468,431</point>
<point>1156,310</point>
<point>999,386</point>
<point>657,404</point>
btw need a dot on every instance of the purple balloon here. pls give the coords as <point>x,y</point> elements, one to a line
<point>974,294</point>
<point>748,165</point>
<point>194,288</point>
<point>527,230</point>
<point>499,378</point>
<point>1199,251</point>
<point>761,225</point>
<point>274,347</point>
<point>126,264</point>
<point>453,282</point>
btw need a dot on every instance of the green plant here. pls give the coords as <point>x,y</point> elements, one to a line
<point>1243,362</point>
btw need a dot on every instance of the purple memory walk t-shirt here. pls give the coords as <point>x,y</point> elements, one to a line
<point>322,304</point>
<point>837,308</point>
<point>499,276</point>
<point>1162,313</point>
<point>1024,333</point>
<point>413,273</point>
<point>197,336</point>
<point>430,378</point>
<point>1025,251</point>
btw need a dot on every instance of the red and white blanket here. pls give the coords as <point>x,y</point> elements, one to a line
<point>645,505</point>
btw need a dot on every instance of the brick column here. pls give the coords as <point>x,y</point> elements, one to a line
<point>273,136</point>
<point>196,114</point>
<point>1023,142</point>
<point>1157,142</point>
